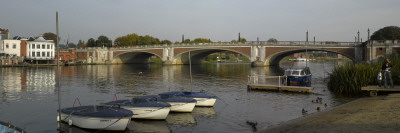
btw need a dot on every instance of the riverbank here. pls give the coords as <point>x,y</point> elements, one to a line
<point>370,114</point>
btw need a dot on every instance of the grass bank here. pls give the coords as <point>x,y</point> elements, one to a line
<point>347,80</point>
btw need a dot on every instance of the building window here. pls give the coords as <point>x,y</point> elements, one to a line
<point>33,54</point>
<point>38,53</point>
<point>48,46</point>
<point>38,46</point>
<point>43,54</point>
<point>33,46</point>
<point>6,45</point>
<point>48,54</point>
<point>43,46</point>
<point>14,46</point>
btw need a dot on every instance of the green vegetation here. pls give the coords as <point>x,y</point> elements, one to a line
<point>387,33</point>
<point>347,80</point>
<point>225,57</point>
<point>155,59</point>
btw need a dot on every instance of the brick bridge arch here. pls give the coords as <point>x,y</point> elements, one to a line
<point>135,56</point>
<point>275,58</point>
<point>181,55</point>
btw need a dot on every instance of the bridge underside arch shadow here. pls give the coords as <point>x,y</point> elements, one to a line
<point>198,54</point>
<point>134,58</point>
<point>274,59</point>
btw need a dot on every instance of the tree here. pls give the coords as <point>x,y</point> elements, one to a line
<point>51,36</point>
<point>387,33</point>
<point>201,40</point>
<point>128,40</point>
<point>243,40</point>
<point>81,44</point>
<point>91,43</point>
<point>234,41</point>
<point>272,40</point>
<point>166,42</point>
<point>146,40</point>
<point>103,41</point>
<point>71,45</point>
<point>187,41</point>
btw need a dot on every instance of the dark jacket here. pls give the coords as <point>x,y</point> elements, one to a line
<point>384,66</point>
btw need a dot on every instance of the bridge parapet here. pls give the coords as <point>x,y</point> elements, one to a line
<point>250,43</point>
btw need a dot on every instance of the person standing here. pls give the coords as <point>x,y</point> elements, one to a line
<point>386,72</point>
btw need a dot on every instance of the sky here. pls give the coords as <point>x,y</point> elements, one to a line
<point>218,20</point>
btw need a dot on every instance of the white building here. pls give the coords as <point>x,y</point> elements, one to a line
<point>40,50</point>
<point>11,47</point>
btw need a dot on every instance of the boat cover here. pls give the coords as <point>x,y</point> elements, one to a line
<point>98,111</point>
<point>187,94</point>
<point>138,102</point>
<point>169,99</point>
<point>8,128</point>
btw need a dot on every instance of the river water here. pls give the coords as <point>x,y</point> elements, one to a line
<point>29,95</point>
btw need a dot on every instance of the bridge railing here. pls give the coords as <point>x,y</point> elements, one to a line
<point>250,43</point>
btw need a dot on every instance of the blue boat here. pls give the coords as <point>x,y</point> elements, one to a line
<point>178,104</point>
<point>202,98</point>
<point>144,108</point>
<point>9,128</point>
<point>111,118</point>
<point>297,76</point>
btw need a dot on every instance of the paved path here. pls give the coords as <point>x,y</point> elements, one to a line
<point>365,115</point>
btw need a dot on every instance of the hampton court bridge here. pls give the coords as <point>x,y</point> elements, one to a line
<point>259,53</point>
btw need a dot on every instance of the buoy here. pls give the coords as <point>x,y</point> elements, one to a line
<point>70,122</point>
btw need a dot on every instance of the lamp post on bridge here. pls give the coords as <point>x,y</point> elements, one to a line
<point>239,37</point>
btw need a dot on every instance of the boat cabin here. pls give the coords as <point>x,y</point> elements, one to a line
<point>298,71</point>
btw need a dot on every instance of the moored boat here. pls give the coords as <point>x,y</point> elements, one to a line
<point>203,99</point>
<point>297,76</point>
<point>97,117</point>
<point>9,128</point>
<point>178,104</point>
<point>144,108</point>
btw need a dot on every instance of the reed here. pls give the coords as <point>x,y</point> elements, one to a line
<point>347,80</point>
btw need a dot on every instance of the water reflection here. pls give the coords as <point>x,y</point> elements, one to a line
<point>144,126</point>
<point>181,120</point>
<point>32,90</point>
<point>203,112</point>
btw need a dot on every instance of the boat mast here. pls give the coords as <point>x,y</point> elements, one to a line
<point>58,73</point>
<point>306,47</point>
<point>190,69</point>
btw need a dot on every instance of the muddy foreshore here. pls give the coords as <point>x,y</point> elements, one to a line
<point>369,114</point>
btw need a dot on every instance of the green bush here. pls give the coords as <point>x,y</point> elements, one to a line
<point>347,80</point>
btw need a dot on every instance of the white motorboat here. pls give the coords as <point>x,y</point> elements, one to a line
<point>178,104</point>
<point>97,117</point>
<point>203,99</point>
<point>144,108</point>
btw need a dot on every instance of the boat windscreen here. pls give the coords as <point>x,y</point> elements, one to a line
<point>295,72</point>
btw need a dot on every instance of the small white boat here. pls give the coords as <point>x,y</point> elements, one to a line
<point>203,99</point>
<point>144,108</point>
<point>178,104</point>
<point>97,117</point>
